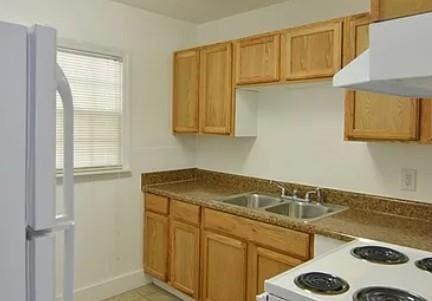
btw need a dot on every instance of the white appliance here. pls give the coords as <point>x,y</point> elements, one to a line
<point>397,62</point>
<point>361,269</point>
<point>29,78</point>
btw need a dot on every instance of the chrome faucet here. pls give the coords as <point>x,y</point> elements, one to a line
<point>280,186</point>
<point>283,189</point>
<point>317,193</point>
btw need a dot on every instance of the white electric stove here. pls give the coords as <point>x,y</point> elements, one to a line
<point>363,270</point>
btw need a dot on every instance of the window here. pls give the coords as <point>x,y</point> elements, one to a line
<point>97,88</point>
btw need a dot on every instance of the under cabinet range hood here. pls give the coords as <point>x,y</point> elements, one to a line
<point>398,61</point>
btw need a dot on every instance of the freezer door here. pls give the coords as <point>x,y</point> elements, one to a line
<point>13,88</point>
<point>41,127</point>
<point>41,267</point>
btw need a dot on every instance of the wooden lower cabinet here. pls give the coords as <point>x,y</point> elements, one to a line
<point>224,261</point>
<point>215,256</point>
<point>185,258</point>
<point>265,264</point>
<point>156,245</point>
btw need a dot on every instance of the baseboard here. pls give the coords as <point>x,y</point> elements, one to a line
<point>171,290</point>
<point>111,287</point>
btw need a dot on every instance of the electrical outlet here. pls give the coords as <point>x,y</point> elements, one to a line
<point>408,179</point>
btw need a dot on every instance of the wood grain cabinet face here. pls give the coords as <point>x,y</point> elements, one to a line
<point>371,116</point>
<point>157,203</point>
<point>185,258</point>
<point>156,229</point>
<point>312,51</point>
<point>186,91</point>
<point>224,268</point>
<point>390,9</point>
<point>426,121</point>
<point>216,89</point>
<point>265,264</point>
<point>257,59</point>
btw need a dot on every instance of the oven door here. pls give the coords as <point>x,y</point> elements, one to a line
<point>268,297</point>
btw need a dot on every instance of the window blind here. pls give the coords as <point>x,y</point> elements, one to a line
<point>97,88</point>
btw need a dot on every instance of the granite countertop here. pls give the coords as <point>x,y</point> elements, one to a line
<point>346,225</point>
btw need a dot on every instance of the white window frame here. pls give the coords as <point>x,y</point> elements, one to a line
<point>97,51</point>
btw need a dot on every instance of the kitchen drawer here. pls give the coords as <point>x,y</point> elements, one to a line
<point>289,241</point>
<point>156,203</point>
<point>185,212</point>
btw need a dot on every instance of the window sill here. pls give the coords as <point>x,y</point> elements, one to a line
<point>97,171</point>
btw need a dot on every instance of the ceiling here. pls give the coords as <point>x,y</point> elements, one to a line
<point>199,11</point>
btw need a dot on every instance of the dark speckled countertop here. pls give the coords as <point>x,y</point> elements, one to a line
<point>379,221</point>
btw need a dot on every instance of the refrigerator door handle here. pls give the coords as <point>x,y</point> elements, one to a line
<point>65,92</point>
<point>69,263</point>
<point>65,221</point>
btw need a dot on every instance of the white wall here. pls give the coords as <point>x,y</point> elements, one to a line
<point>279,16</point>
<point>109,208</point>
<point>300,131</point>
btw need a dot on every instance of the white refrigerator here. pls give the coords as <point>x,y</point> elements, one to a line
<point>29,217</point>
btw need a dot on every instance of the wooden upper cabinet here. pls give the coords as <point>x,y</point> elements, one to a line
<point>185,258</point>
<point>257,59</point>
<point>265,264</point>
<point>224,268</point>
<point>156,245</point>
<point>186,91</point>
<point>216,89</point>
<point>390,9</point>
<point>426,121</point>
<point>371,116</point>
<point>312,51</point>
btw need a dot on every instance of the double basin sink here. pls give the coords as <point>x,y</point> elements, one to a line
<point>289,207</point>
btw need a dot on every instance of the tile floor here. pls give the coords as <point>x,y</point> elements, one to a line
<point>146,293</point>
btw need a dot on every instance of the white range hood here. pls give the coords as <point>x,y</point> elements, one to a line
<point>398,61</point>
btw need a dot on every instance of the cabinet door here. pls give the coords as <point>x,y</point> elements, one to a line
<point>156,245</point>
<point>426,121</point>
<point>216,89</point>
<point>224,268</point>
<point>185,258</point>
<point>312,51</point>
<point>257,59</point>
<point>389,9</point>
<point>186,91</point>
<point>371,116</point>
<point>265,264</point>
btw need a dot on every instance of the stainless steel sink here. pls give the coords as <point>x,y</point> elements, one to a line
<point>303,210</point>
<point>293,208</point>
<point>252,200</point>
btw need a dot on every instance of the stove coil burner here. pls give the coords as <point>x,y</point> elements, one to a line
<point>321,283</point>
<point>425,264</point>
<point>385,294</point>
<point>380,255</point>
